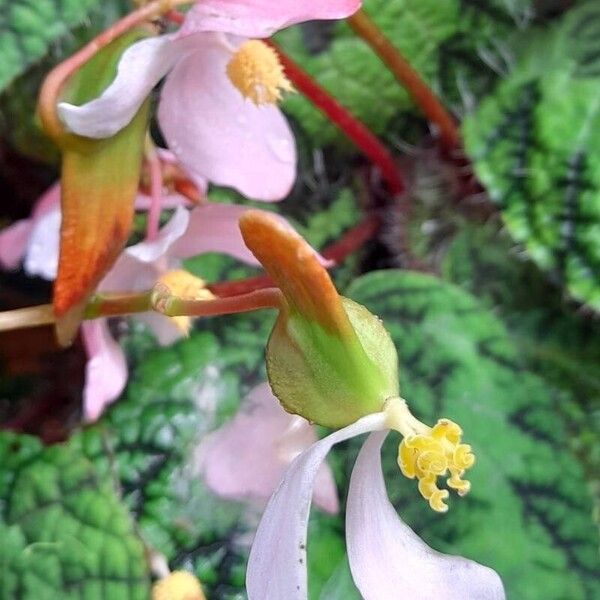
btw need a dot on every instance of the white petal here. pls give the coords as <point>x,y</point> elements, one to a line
<point>277,563</point>
<point>41,255</point>
<point>138,267</point>
<point>167,201</point>
<point>141,67</point>
<point>150,250</point>
<point>388,560</point>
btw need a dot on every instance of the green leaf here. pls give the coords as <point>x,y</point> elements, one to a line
<point>453,44</point>
<point>19,126</point>
<point>561,346</point>
<point>475,57</point>
<point>65,535</point>
<point>28,28</point>
<point>349,69</point>
<point>147,439</point>
<point>535,147</point>
<point>529,513</point>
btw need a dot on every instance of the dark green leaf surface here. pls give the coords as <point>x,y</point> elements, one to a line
<point>529,512</point>
<point>534,144</point>
<point>349,69</point>
<point>453,44</point>
<point>146,443</point>
<point>64,533</point>
<point>563,347</point>
<point>29,27</point>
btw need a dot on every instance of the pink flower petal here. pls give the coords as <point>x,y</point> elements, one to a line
<point>388,560</point>
<point>106,370</point>
<point>214,228</point>
<point>164,329</point>
<point>143,201</point>
<point>247,457</point>
<point>218,134</point>
<point>277,562</point>
<point>141,67</point>
<point>138,267</point>
<point>261,18</point>
<point>41,255</point>
<point>47,201</point>
<point>13,241</point>
<point>15,238</point>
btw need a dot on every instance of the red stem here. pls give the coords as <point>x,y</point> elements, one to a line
<point>354,130</point>
<point>419,91</point>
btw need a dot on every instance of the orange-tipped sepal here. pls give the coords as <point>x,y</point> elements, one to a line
<point>328,358</point>
<point>99,182</point>
<point>296,270</point>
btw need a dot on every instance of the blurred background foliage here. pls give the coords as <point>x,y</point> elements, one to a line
<point>490,294</point>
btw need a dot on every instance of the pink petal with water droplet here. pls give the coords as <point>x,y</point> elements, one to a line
<point>218,134</point>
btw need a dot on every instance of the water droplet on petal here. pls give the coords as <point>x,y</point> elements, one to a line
<point>282,148</point>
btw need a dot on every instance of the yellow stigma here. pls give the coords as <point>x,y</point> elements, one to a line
<point>430,452</point>
<point>256,72</point>
<point>179,585</point>
<point>188,287</point>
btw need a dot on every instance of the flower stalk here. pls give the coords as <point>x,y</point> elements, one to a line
<point>169,305</point>
<point>159,300</point>
<point>419,91</point>
<point>156,184</point>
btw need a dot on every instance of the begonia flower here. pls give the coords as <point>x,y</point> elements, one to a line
<point>206,228</point>
<point>245,458</point>
<point>218,108</point>
<point>331,361</point>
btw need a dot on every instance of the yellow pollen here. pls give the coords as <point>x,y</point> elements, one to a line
<point>427,453</point>
<point>179,585</point>
<point>256,72</point>
<point>188,287</point>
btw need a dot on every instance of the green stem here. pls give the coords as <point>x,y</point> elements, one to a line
<point>112,305</point>
<point>173,306</point>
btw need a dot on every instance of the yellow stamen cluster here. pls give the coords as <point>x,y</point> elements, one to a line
<point>179,585</point>
<point>430,452</point>
<point>432,455</point>
<point>256,72</point>
<point>188,287</point>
